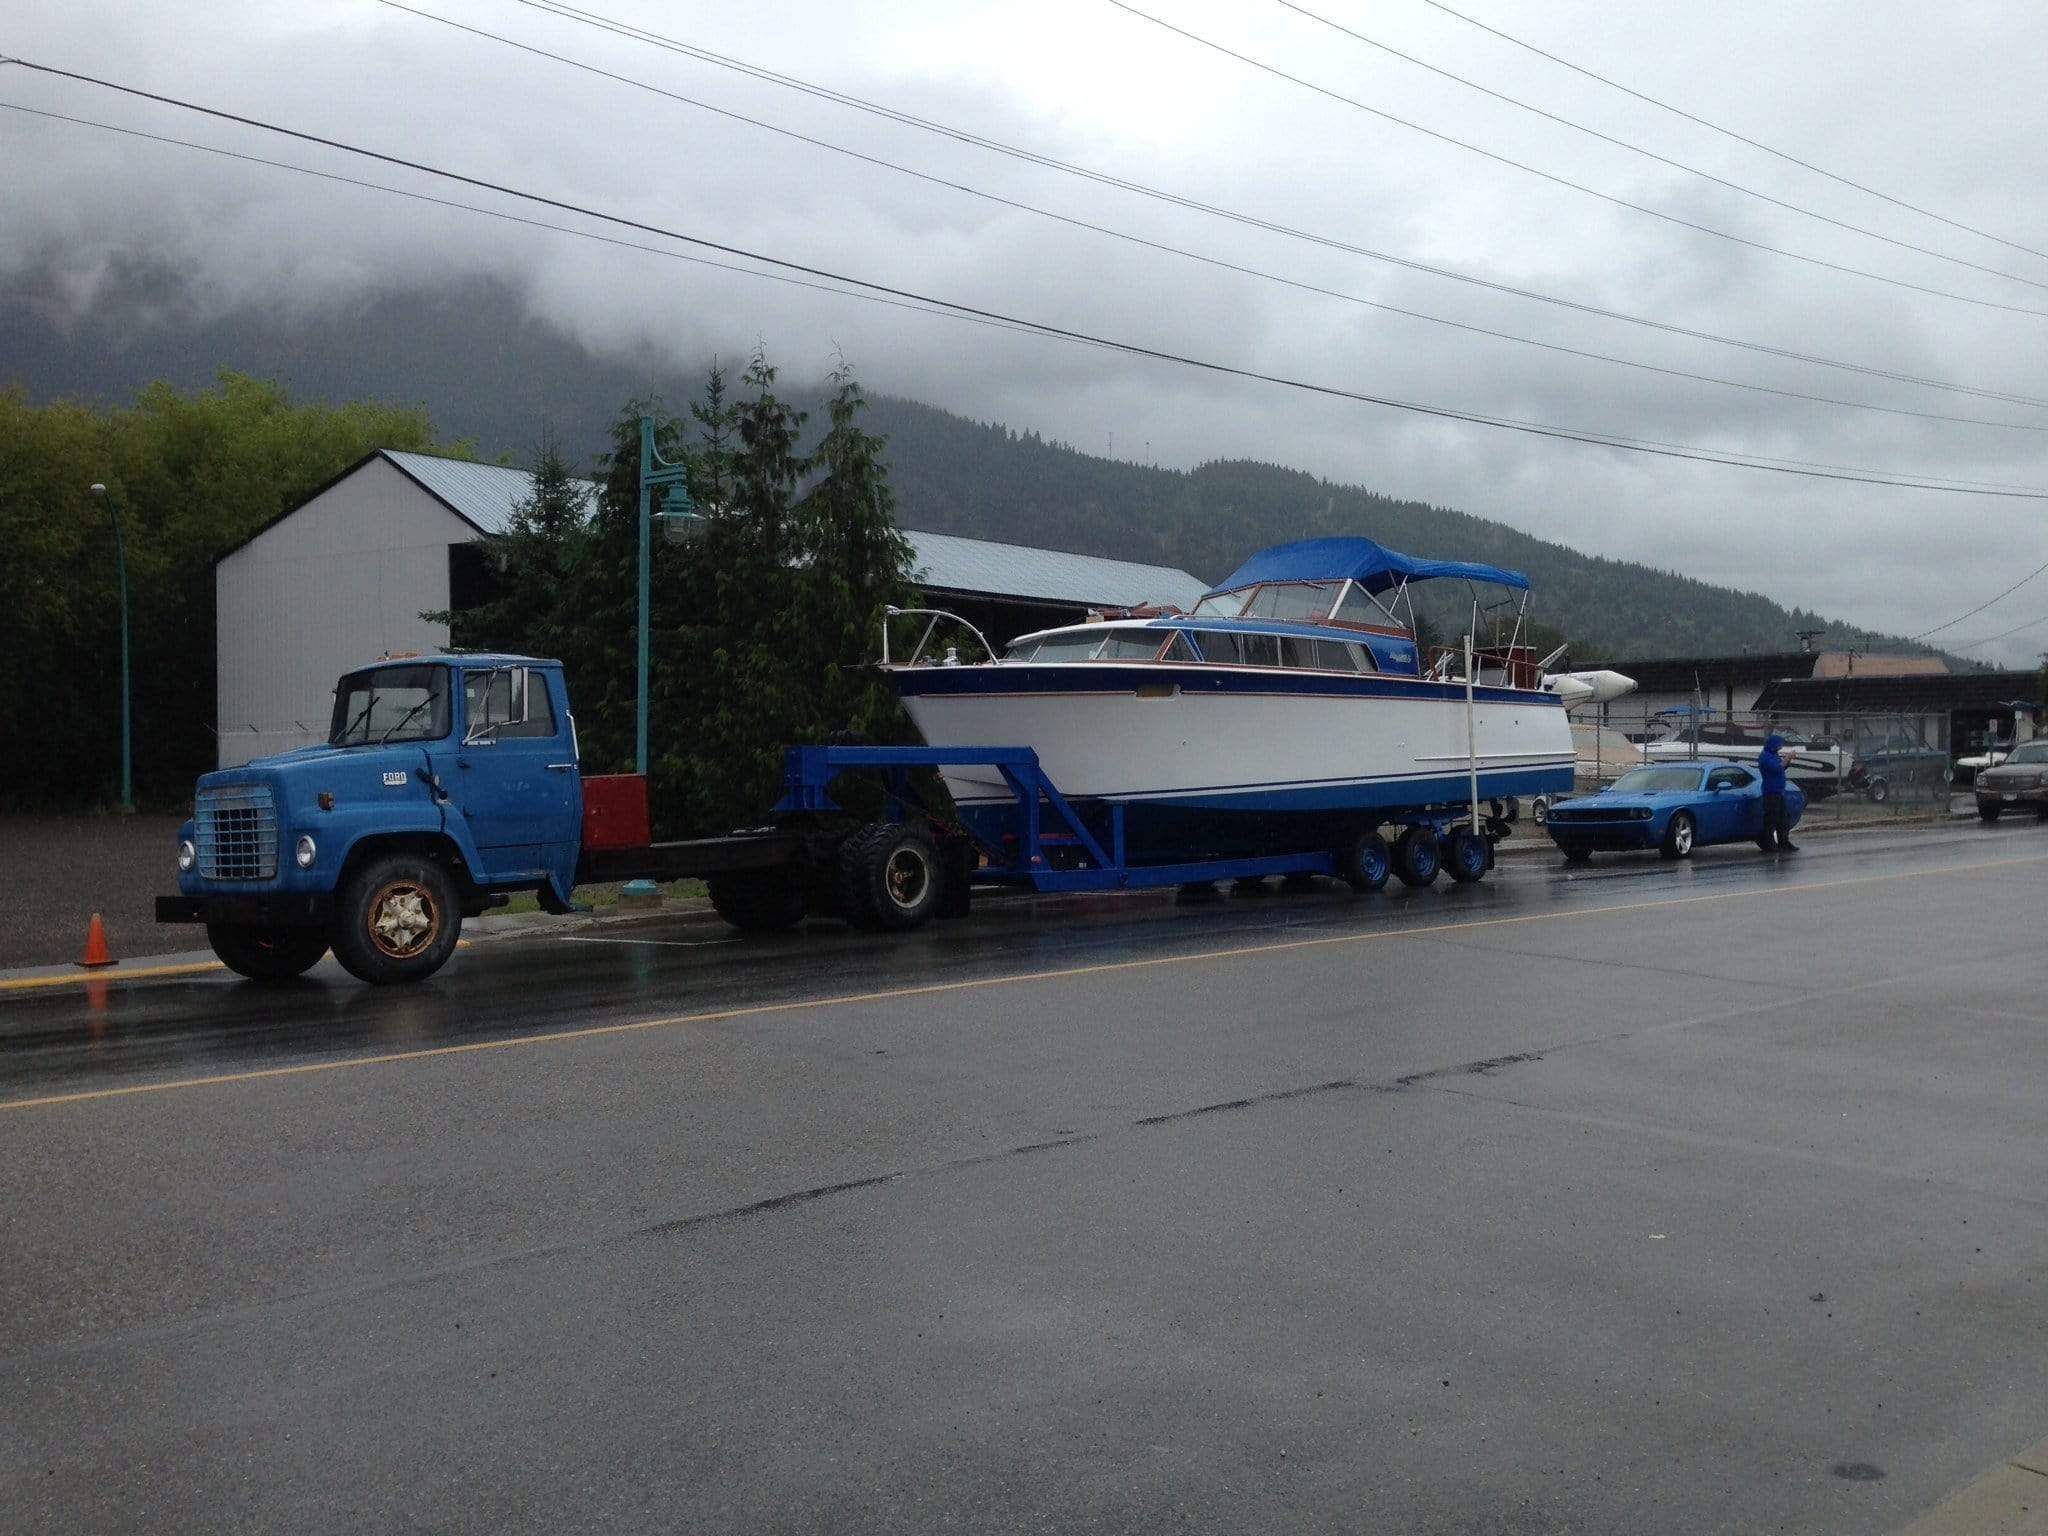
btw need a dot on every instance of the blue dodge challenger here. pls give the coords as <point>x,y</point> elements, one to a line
<point>1672,807</point>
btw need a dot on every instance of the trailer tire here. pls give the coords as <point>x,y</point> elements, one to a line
<point>1465,855</point>
<point>1365,862</point>
<point>1418,856</point>
<point>1578,855</point>
<point>758,900</point>
<point>267,954</point>
<point>889,877</point>
<point>396,920</point>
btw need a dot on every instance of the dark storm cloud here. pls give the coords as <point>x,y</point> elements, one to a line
<point>1082,81</point>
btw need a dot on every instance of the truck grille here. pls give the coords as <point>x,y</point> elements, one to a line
<point>237,830</point>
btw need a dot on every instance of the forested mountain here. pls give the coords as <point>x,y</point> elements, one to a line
<point>485,370</point>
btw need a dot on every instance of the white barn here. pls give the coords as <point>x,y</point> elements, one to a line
<point>343,577</point>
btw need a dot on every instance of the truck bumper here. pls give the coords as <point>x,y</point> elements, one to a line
<point>246,911</point>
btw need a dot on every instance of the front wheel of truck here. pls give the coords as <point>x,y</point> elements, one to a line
<point>267,954</point>
<point>397,919</point>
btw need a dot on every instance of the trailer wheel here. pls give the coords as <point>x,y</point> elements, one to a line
<point>1417,856</point>
<point>1878,789</point>
<point>888,877</point>
<point>1464,855</point>
<point>1365,862</point>
<point>267,954</point>
<point>1578,855</point>
<point>397,920</point>
<point>758,900</point>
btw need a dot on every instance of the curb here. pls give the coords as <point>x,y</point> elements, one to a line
<point>2009,1500</point>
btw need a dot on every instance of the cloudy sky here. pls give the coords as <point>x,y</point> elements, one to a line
<point>1939,107</point>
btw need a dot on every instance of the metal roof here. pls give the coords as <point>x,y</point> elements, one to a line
<point>487,494</point>
<point>483,494</point>
<point>946,562</point>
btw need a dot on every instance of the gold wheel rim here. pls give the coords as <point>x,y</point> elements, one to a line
<point>404,920</point>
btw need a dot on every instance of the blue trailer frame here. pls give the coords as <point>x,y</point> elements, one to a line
<point>1020,858</point>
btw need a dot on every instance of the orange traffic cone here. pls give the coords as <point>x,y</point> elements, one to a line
<point>96,953</point>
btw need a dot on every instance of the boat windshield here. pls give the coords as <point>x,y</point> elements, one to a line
<point>1273,600</point>
<point>1089,645</point>
<point>1657,781</point>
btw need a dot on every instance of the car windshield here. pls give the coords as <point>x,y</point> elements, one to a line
<point>1657,781</point>
<point>2032,752</point>
<point>398,703</point>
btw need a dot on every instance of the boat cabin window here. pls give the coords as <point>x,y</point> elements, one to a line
<point>1078,646</point>
<point>1292,600</point>
<point>1180,648</point>
<point>1234,649</point>
<point>1221,605</point>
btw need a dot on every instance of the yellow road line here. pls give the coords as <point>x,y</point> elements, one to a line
<point>133,973</point>
<point>933,989</point>
<point>130,973</point>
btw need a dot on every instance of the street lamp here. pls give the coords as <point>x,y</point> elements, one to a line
<point>99,493</point>
<point>681,524</point>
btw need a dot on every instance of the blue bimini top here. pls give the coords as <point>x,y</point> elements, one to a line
<point>1371,565</point>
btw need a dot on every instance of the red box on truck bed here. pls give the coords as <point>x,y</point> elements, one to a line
<point>615,812</point>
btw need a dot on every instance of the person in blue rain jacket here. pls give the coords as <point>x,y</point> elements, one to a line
<point>1770,763</point>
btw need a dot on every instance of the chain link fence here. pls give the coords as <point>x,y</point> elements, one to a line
<point>1850,766</point>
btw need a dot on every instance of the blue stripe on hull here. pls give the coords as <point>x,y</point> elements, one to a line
<point>1305,818</point>
<point>1191,678</point>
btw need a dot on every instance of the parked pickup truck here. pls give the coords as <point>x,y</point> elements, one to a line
<point>448,782</point>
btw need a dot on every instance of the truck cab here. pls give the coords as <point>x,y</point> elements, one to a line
<point>446,781</point>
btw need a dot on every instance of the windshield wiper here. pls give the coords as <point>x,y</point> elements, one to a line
<point>401,720</point>
<point>348,730</point>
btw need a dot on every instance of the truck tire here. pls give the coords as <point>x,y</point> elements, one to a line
<point>1418,856</point>
<point>758,900</point>
<point>1365,862</point>
<point>888,877</point>
<point>267,954</point>
<point>397,919</point>
<point>1465,855</point>
<point>1989,810</point>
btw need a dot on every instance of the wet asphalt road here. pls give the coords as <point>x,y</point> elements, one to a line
<point>1678,1199</point>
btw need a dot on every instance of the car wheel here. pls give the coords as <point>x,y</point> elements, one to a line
<point>267,954</point>
<point>1365,862</point>
<point>397,920</point>
<point>1678,836</point>
<point>1989,810</point>
<point>1417,856</point>
<point>1578,855</point>
<point>1879,790</point>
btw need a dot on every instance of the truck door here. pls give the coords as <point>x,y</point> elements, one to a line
<point>515,773</point>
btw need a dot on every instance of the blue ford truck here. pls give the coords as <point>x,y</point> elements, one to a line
<point>447,783</point>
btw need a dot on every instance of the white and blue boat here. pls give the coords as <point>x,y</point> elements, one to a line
<point>1292,709</point>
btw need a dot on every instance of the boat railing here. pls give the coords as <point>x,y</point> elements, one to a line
<point>933,616</point>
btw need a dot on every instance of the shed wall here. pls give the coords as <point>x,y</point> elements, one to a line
<point>339,582</point>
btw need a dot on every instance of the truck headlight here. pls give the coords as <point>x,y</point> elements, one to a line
<point>306,852</point>
<point>187,856</point>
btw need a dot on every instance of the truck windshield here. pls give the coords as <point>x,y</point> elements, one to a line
<point>398,703</point>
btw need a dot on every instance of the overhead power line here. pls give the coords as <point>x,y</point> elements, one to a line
<point>1565,181</point>
<point>1650,154</point>
<point>567,12</point>
<point>2008,592</point>
<point>1218,262</point>
<point>1740,138</point>
<point>2003,634</point>
<point>1690,452</point>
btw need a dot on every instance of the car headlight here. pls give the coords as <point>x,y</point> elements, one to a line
<point>187,856</point>
<point>1642,813</point>
<point>306,852</point>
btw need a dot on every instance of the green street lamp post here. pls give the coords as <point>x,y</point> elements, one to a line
<point>99,493</point>
<point>681,522</point>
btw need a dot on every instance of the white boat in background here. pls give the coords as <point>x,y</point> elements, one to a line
<point>1291,709</point>
<point>1820,766</point>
